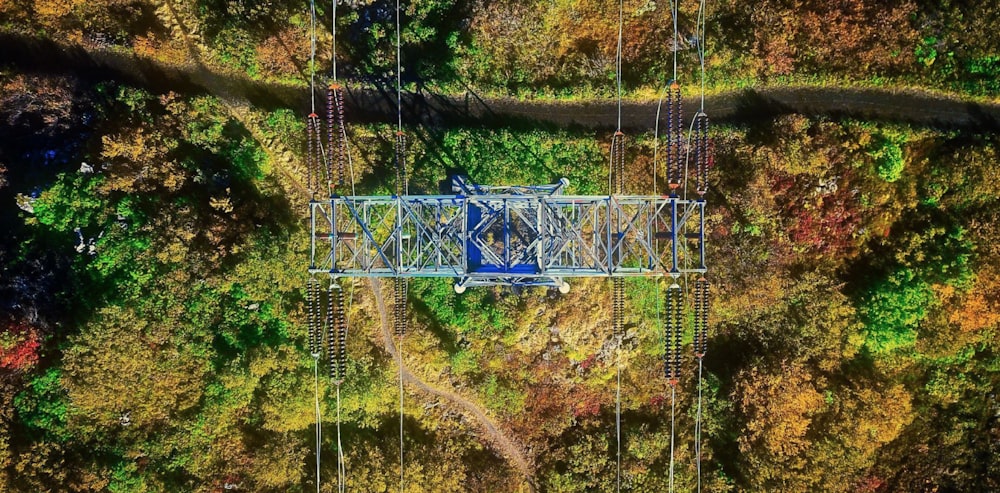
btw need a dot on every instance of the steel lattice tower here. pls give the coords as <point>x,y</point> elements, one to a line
<point>517,235</point>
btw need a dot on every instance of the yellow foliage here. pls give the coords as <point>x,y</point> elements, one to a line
<point>125,363</point>
<point>51,9</point>
<point>779,410</point>
<point>131,146</point>
<point>277,465</point>
<point>147,46</point>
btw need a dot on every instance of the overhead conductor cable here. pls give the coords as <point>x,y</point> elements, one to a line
<point>616,185</point>
<point>400,283</point>
<point>313,171</point>
<point>702,162</point>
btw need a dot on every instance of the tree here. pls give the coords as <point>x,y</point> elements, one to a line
<point>863,417</point>
<point>778,411</point>
<point>893,310</point>
<point>126,363</point>
<point>19,346</point>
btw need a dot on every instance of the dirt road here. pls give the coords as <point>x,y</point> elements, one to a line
<point>379,105</point>
<point>503,444</point>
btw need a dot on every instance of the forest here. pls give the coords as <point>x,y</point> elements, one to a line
<point>152,297</point>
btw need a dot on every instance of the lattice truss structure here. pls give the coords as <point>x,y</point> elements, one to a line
<point>507,235</point>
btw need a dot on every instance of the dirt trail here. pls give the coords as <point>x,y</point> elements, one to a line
<point>183,26</point>
<point>379,105</point>
<point>503,444</point>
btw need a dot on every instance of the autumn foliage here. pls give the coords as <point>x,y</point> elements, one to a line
<point>855,265</point>
<point>19,346</point>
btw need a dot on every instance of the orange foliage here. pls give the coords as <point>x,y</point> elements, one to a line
<point>168,50</point>
<point>51,9</point>
<point>980,310</point>
<point>48,97</point>
<point>284,53</point>
<point>830,35</point>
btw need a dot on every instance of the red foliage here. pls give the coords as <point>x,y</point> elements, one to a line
<point>658,401</point>
<point>870,484</point>
<point>828,228</point>
<point>825,221</point>
<point>586,408</point>
<point>19,345</point>
<point>589,362</point>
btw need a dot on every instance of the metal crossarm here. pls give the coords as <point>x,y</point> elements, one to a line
<point>508,236</point>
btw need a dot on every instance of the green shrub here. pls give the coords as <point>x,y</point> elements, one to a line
<point>41,407</point>
<point>888,155</point>
<point>893,310</point>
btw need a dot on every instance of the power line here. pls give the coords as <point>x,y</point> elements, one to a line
<point>617,170</point>
<point>312,154</point>
<point>673,407</point>
<point>673,13</point>
<point>319,427</point>
<point>399,76</point>
<point>333,43</point>
<point>699,132</point>
<point>312,52</point>
<point>701,32</point>
<point>401,188</point>
<point>618,58</point>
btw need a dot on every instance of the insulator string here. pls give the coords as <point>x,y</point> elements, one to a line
<point>319,420</point>
<point>702,154</point>
<point>312,299</point>
<point>330,120</point>
<point>341,338</point>
<point>310,141</point>
<point>336,97</point>
<point>676,136</point>
<point>673,333</point>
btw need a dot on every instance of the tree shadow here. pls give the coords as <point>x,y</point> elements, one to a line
<point>428,117</point>
<point>447,340</point>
